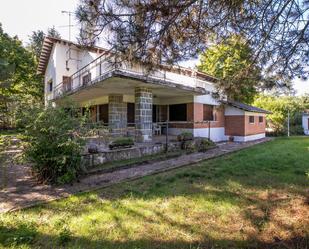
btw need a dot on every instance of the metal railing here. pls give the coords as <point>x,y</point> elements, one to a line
<point>162,132</point>
<point>103,67</point>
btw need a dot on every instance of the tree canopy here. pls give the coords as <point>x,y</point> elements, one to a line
<point>231,62</point>
<point>155,32</point>
<point>19,82</point>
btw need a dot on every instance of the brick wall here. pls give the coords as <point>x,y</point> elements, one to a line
<point>238,125</point>
<point>235,125</point>
<point>256,128</point>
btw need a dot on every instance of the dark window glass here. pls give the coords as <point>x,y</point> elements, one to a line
<point>251,119</point>
<point>261,119</point>
<point>50,85</point>
<point>103,113</point>
<point>208,112</point>
<point>178,112</point>
<point>86,78</point>
<point>131,114</point>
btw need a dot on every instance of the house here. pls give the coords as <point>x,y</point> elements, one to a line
<point>305,122</point>
<point>124,95</point>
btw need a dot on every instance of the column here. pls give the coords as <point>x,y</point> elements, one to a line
<point>143,114</point>
<point>117,114</point>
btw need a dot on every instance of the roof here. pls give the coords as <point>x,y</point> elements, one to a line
<point>47,47</point>
<point>245,107</point>
<point>49,42</point>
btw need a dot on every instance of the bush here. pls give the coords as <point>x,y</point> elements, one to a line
<point>185,136</point>
<point>121,142</point>
<point>205,144</point>
<point>198,144</point>
<point>54,146</point>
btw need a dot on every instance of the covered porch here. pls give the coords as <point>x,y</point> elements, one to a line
<point>130,107</point>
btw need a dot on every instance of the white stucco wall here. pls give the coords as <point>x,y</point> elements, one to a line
<point>249,138</point>
<point>305,123</point>
<point>216,134</point>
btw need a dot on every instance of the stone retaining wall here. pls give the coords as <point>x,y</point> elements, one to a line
<point>92,160</point>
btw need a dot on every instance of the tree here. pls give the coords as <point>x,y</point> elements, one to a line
<point>37,37</point>
<point>19,83</point>
<point>230,61</point>
<point>155,32</point>
<point>279,106</point>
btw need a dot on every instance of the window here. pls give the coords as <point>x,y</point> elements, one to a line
<point>86,78</point>
<point>208,113</point>
<point>178,112</point>
<point>103,113</point>
<point>66,83</point>
<point>131,114</point>
<point>251,119</point>
<point>50,85</point>
<point>261,119</point>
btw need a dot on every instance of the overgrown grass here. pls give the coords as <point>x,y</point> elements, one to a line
<point>255,198</point>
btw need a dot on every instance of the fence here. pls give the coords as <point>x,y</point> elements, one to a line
<point>161,132</point>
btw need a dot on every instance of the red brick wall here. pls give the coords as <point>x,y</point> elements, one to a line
<point>256,128</point>
<point>239,125</point>
<point>235,125</point>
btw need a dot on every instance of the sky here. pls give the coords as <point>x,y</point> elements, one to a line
<point>21,17</point>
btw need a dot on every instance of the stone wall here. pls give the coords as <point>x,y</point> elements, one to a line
<point>143,114</point>
<point>117,114</point>
<point>91,160</point>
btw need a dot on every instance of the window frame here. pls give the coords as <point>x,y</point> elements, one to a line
<point>213,114</point>
<point>50,85</point>
<point>252,116</point>
<point>261,117</point>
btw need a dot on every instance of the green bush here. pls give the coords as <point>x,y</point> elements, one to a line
<point>185,136</point>
<point>121,142</point>
<point>54,146</point>
<point>205,144</point>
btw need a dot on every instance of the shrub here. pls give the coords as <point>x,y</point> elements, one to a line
<point>205,144</point>
<point>54,146</point>
<point>185,136</point>
<point>121,142</point>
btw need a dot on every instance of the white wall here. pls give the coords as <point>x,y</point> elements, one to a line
<point>305,123</point>
<point>216,134</point>
<point>248,138</point>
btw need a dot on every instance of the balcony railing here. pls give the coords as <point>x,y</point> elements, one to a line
<point>104,66</point>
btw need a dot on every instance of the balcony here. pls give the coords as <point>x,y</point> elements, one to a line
<point>105,67</point>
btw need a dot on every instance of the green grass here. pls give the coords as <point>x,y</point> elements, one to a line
<point>255,198</point>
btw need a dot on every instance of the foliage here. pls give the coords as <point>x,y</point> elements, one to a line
<point>185,136</point>
<point>121,142</point>
<point>19,83</point>
<point>157,32</point>
<point>205,144</point>
<point>254,198</point>
<point>279,106</point>
<point>54,145</point>
<point>198,144</point>
<point>231,62</point>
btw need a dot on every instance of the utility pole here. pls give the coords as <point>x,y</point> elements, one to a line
<point>69,13</point>
<point>288,122</point>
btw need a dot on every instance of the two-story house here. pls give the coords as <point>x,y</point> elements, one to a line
<point>122,95</point>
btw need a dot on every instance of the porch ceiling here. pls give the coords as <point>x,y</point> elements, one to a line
<point>126,86</point>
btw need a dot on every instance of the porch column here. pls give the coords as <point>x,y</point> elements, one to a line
<point>143,114</point>
<point>117,114</point>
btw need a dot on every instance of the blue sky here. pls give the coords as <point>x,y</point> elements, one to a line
<point>21,17</point>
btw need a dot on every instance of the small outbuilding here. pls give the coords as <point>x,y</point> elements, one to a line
<point>305,122</point>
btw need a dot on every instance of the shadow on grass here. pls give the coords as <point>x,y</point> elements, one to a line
<point>23,236</point>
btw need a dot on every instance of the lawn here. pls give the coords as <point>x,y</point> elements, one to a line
<point>255,198</point>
